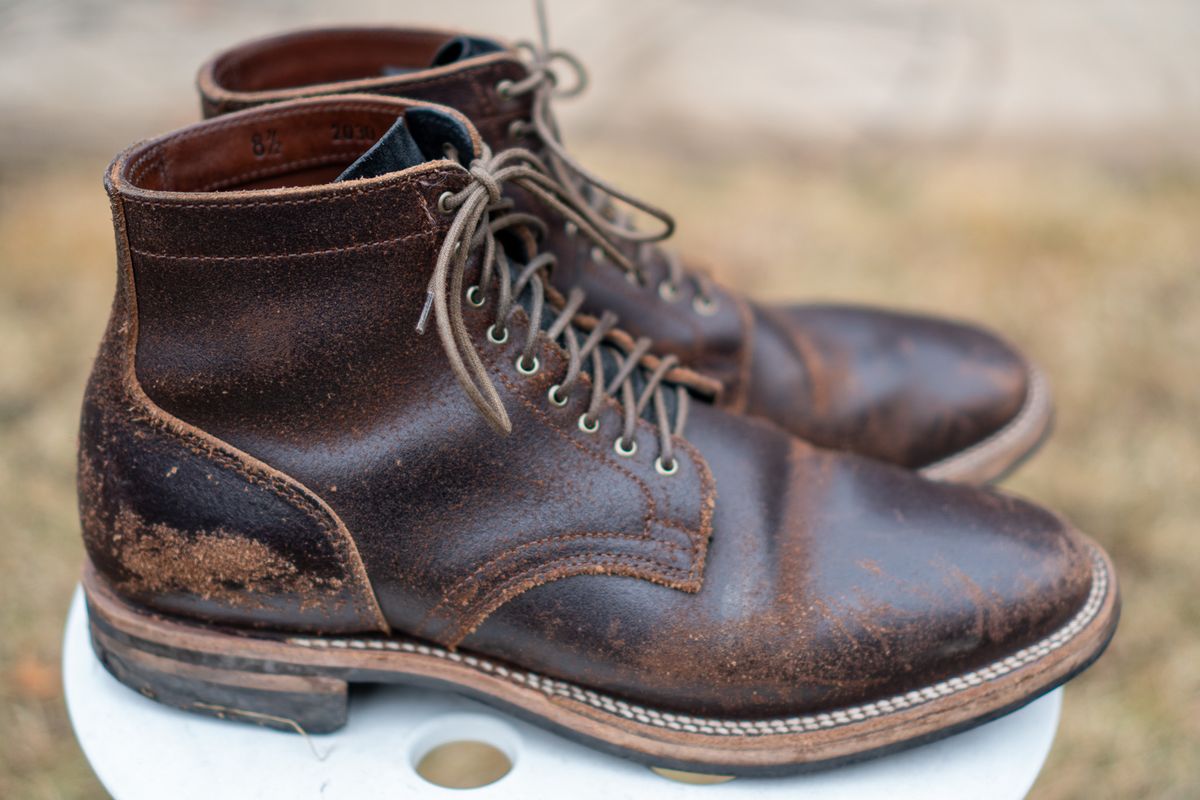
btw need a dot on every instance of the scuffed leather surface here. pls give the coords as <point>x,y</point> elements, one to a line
<point>830,578</point>
<point>902,388</point>
<point>765,577</point>
<point>183,525</point>
<point>284,325</point>
<point>906,389</point>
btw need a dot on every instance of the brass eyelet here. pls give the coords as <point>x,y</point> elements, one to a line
<point>668,471</point>
<point>668,291</point>
<point>583,424</point>
<point>521,368</point>
<point>441,203</point>
<point>491,334</point>
<point>598,254</point>
<point>704,306</point>
<point>571,228</point>
<point>475,296</point>
<point>504,89</point>
<point>518,129</point>
<point>552,394</point>
<point>620,448</point>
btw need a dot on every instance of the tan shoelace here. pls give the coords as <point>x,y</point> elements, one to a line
<point>480,213</point>
<point>543,82</point>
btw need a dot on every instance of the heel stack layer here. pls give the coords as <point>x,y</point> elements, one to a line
<point>304,704</point>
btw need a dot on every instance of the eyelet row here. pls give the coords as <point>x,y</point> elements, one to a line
<point>704,306</point>
<point>474,297</point>
<point>618,444</point>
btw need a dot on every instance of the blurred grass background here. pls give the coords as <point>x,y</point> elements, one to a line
<point>1076,233</point>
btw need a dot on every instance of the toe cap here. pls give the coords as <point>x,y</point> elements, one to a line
<point>831,581</point>
<point>907,389</point>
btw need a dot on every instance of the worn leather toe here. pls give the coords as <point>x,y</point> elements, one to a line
<point>907,389</point>
<point>831,580</point>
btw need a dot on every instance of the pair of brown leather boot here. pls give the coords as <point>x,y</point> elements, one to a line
<point>395,391</point>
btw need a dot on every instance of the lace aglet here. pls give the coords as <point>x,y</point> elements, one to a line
<point>424,318</point>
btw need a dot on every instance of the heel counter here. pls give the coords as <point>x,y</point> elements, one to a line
<point>185,524</point>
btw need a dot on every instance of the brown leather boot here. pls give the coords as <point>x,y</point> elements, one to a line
<point>944,397</point>
<point>286,488</point>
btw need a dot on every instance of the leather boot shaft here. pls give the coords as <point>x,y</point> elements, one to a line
<point>220,303</point>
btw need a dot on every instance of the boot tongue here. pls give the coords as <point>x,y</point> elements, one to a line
<point>461,48</point>
<point>422,134</point>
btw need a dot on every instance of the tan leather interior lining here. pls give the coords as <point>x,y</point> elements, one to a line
<point>263,149</point>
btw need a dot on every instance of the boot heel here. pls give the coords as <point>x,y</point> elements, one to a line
<point>298,703</point>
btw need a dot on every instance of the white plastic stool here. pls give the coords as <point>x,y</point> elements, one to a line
<point>141,749</point>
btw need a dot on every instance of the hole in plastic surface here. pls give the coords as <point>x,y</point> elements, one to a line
<point>694,778</point>
<point>464,764</point>
<point>464,751</point>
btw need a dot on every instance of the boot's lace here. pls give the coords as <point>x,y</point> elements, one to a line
<point>480,213</point>
<point>585,188</point>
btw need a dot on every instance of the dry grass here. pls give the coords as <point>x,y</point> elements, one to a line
<point>1093,266</point>
<point>55,285</point>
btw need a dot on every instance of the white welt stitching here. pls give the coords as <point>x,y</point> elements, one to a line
<point>754,727</point>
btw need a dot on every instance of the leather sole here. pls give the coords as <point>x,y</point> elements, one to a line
<point>300,683</point>
<point>993,458</point>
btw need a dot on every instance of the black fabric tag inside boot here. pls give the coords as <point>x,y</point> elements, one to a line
<point>460,48</point>
<point>395,151</point>
<point>421,135</point>
<point>434,129</point>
